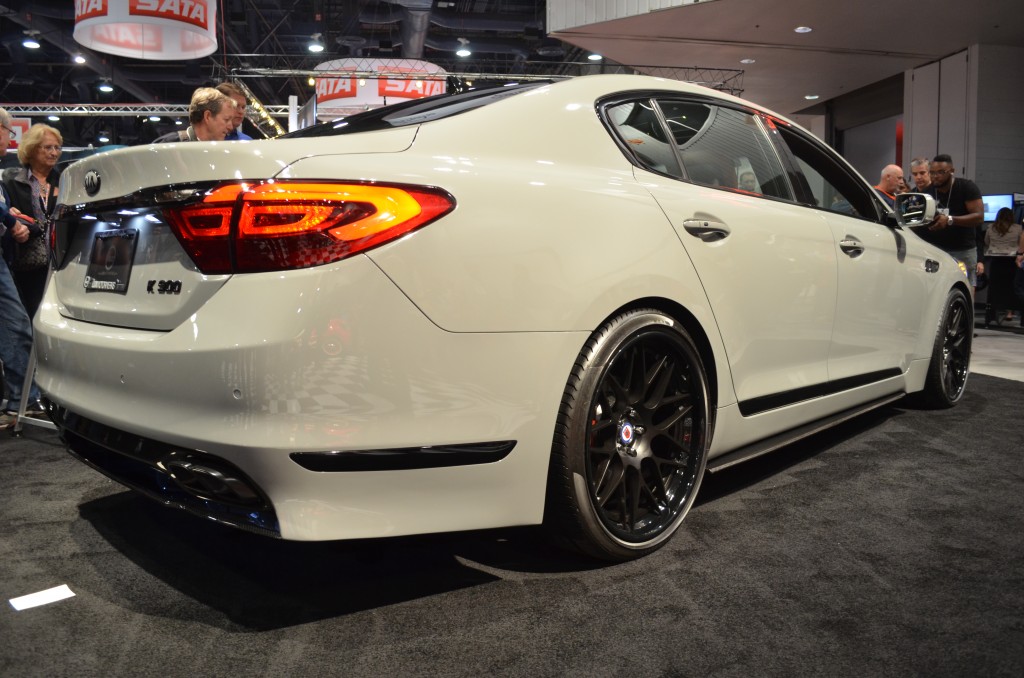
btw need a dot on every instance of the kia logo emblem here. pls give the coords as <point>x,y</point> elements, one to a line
<point>92,182</point>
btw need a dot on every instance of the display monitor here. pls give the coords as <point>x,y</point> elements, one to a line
<point>994,203</point>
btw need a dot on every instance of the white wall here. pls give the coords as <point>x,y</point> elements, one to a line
<point>1000,119</point>
<point>871,147</point>
<point>921,112</point>
<point>938,103</point>
<point>970,105</point>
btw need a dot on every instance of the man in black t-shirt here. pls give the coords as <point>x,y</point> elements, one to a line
<point>959,212</point>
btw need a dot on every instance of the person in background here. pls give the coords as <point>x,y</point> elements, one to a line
<point>1001,248</point>
<point>33,190</point>
<point>210,117</point>
<point>235,93</point>
<point>959,212</point>
<point>15,325</point>
<point>919,172</point>
<point>1018,280</point>
<point>888,184</point>
<point>901,186</point>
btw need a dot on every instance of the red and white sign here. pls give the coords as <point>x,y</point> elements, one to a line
<point>162,30</point>
<point>20,127</point>
<point>374,83</point>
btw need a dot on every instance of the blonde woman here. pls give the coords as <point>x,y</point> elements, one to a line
<point>32,188</point>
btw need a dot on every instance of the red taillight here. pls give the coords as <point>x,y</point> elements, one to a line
<point>292,224</point>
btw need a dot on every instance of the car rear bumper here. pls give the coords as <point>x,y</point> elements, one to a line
<point>324,362</point>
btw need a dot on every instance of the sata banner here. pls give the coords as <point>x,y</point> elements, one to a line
<point>161,30</point>
<point>374,83</point>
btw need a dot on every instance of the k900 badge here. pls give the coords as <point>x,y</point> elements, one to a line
<point>163,287</point>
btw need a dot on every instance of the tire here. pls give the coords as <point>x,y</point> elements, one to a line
<point>631,438</point>
<point>951,354</point>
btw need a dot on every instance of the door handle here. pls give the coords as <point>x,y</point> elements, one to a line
<point>851,246</point>
<point>708,231</point>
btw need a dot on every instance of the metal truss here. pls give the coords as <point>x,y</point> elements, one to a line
<point>728,80</point>
<point>35,110</point>
<point>111,110</point>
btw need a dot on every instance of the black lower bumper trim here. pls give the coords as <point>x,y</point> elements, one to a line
<point>190,480</point>
<point>404,458</point>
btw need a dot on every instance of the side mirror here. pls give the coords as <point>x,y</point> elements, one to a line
<point>914,209</point>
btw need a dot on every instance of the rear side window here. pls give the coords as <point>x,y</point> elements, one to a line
<point>725,147</point>
<point>701,142</point>
<point>638,125</point>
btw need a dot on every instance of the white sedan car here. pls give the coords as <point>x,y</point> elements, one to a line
<point>554,303</point>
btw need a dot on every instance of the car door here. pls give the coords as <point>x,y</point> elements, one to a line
<point>768,266</point>
<point>883,284</point>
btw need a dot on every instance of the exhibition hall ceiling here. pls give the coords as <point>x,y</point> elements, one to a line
<point>257,37</point>
<point>264,44</point>
<point>851,44</point>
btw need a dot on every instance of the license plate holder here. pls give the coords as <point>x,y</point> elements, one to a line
<point>110,261</point>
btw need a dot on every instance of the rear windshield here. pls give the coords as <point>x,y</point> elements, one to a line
<point>413,112</point>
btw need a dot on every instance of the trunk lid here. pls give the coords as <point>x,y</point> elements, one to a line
<point>120,262</point>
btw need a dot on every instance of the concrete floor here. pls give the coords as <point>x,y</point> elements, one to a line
<point>999,353</point>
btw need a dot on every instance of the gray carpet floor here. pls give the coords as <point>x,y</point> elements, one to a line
<point>891,546</point>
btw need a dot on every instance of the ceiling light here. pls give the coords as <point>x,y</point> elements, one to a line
<point>106,87</point>
<point>311,81</point>
<point>103,138</point>
<point>315,46</point>
<point>747,61</point>
<point>154,118</point>
<point>803,29</point>
<point>53,118</point>
<point>811,97</point>
<point>463,50</point>
<point>595,57</point>
<point>78,59</point>
<point>177,122</point>
<point>31,40</point>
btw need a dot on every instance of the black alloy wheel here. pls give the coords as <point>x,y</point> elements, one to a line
<point>632,437</point>
<point>951,353</point>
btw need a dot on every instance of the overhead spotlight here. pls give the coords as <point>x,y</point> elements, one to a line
<point>53,118</point>
<point>103,138</point>
<point>312,81</point>
<point>106,87</point>
<point>178,122</point>
<point>747,61</point>
<point>811,97</point>
<point>316,46</point>
<point>802,29</point>
<point>31,40</point>
<point>154,118</point>
<point>595,57</point>
<point>78,59</point>
<point>463,50</point>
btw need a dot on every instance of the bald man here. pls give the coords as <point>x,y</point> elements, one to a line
<point>889,183</point>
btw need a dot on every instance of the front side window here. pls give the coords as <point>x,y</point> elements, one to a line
<point>823,181</point>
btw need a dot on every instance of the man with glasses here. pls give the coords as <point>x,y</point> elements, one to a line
<point>959,212</point>
<point>15,326</point>
<point>920,173</point>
